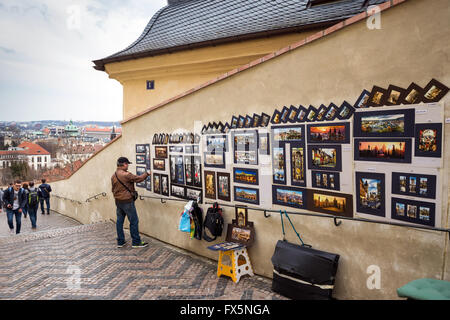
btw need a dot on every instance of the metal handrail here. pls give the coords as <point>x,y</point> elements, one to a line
<point>64,198</point>
<point>96,196</point>
<point>163,200</point>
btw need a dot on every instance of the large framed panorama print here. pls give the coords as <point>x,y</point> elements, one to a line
<point>386,123</point>
<point>338,132</point>
<point>289,197</point>
<point>290,133</point>
<point>413,211</point>
<point>336,204</point>
<point>247,195</point>
<point>325,157</point>
<point>428,140</point>
<point>246,176</point>
<point>370,193</point>
<point>383,150</point>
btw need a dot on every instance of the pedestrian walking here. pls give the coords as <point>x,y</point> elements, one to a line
<point>45,190</point>
<point>25,209</point>
<point>1,199</point>
<point>125,195</point>
<point>14,200</point>
<point>33,204</point>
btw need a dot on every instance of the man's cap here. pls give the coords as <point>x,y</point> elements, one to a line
<point>123,160</point>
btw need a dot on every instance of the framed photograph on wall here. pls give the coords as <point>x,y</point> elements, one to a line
<point>177,149</point>
<point>214,160</point>
<point>321,113</point>
<point>161,152</point>
<point>246,176</point>
<point>413,211</point>
<point>241,122</point>
<point>363,100</point>
<point>256,120</point>
<point>279,165</point>
<point>332,112</point>
<point>265,120</point>
<point>311,114</point>
<point>246,157</point>
<point>434,91</point>
<point>140,148</point>
<point>370,193</point>
<point>210,185</point>
<point>393,95</point>
<point>157,183</point>
<point>289,133</point>
<point>336,204</point>
<point>289,197</point>
<point>338,132</point>
<point>345,111</point>
<point>414,184</point>
<point>412,95</point>
<point>284,114</point>
<point>428,140</point>
<point>139,172</point>
<point>159,164</point>
<point>325,158</point>
<point>325,180</point>
<point>177,170</point>
<point>247,195</point>
<point>234,122</point>
<point>276,117</point>
<point>248,122</point>
<point>223,186</point>
<point>386,123</point>
<point>197,169</point>
<point>194,194</point>
<point>189,170</point>
<point>165,185</point>
<point>245,140</point>
<point>177,191</point>
<point>377,97</point>
<point>293,112</point>
<point>141,159</point>
<point>383,150</point>
<point>264,143</point>
<point>302,112</point>
<point>298,166</point>
<point>217,143</point>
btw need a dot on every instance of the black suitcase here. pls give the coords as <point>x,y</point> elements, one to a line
<point>303,273</point>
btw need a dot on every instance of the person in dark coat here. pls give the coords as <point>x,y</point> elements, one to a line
<point>15,200</point>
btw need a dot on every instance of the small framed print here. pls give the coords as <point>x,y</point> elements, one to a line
<point>302,112</point>
<point>241,122</point>
<point>246,195</point>
<point>386,123</point>
<point>226,128</point>
<point>246,157</point>
<point>165,185</point>
<point>256,120</point>
<point>311,114</point>
<point>338,132</point>
<point>161,152</point>
<point>377,97</point>
<point>177,191</point>
<point>414,184</point>
<point>139,172</point>
<point>332,112</point>
<point>197,138</point>
<point>284,114</point>
<point>177,149</point>
<point>217,143</point>
<point>264,143</point>
<point>413,211</point>
<point>393,95</point>
<point>428,140</point>
<point>214,160</point>
<point>157,183</point>
<point>177,170</point>
<point>321,113</point>
<point>412,95</point>
<point>289,197</point>
<point>166,139</point>
<point>245,140</point>
<point>248,122</point>
<point>159,164</point>
<point>197,171</point>
<point>383,150</point>
<point>279,165</point>
<point>155,139</point>
<point>325,180</point>
<point>276,117</point>
<point>223,186</point>
<point>148,183</point>
<point>434,91</point>
<point>140,148</point>
<point>210,185</point>
<point>189,170</point>
<point>241,216</point>
<point>220,128</point>
<point>292,116</point>
<point>194,194</point>
<point>246,176</point>
<point>298,166</point>
<point>363,100</point>
<point>141,159</point>
<point>234,122</point>
<point>370,193</point>
<point>203,130</point>
<point>325,157</point>
<point>345,111</point>
<point>336,204</point>
<point>288,133</point>
<point>265,119</point>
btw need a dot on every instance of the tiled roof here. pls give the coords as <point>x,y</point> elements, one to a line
<point>195,23</point>
<point>30,149</point>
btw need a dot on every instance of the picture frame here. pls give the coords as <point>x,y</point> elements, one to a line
<point>414,184</point>
<point>204,129</point>
<point>246,176</point>
<point>241,122</point>
<point>241,216</point>
<point>264,143</point>
<point>217,143</point>
<point>159,164</point>
<point>239,236</point>
<point>399,150</point>
<point>337,132</point>
<point>328,202</point>
<point>325,157</point>
<point>248,122</point>
<point>226,128</point>
<point>302,112</point>
<point>161,152</point>
<point>370,193</point>
<point>279,175</point>
<point>265,120</point>
<point>346,111</point>
<point>197,138</point>
<point>434,91</point>
<point>148,183</point>
<point>176,149</point>
<point>234,122</point>
<point>289,197</point>
<point>276,117</point>
<point>386,123</point>
<point>220,128</point>
<point>288,133</point>
<point>284,114</point>
<point>292,115</point>
<point>140,148</point>
<point>155,139</point>
<point>178,191</point>
<point>223,186</point>
<point>332,112</point>
<point>325,180</point>
<point>177,169</point>
<point>197,170</point>
<point>311,114</point>
<point>321,113</point>
<point>298,166</point>
<point>363,100</point>
<point>141,159</point>
<point>412,95</point>
<point>246,157</point>
<point>428,140</point>
<point>377,97</point>
<point>214,160</point>
<point>189,170</point>
<point>165,185</point>
<point>246,195</point>
<point>245,140</point>
<point>412,211</point>
<point>166,139</point>
<point>194,194</point>
<point>256,120</point>
<point>140,171</point>
<point>157,183</point>
<point>393,95</point>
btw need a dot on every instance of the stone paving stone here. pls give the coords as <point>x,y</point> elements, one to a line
<point>36,265</point>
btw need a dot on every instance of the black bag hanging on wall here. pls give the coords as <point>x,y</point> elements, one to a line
<point>303,273</point>
<point>213,222</point>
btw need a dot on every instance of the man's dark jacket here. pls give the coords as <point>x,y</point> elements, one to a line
<point>8,198</point>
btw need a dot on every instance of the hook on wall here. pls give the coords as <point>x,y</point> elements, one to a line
<point>163,201</point>
<point>266,215</point>
<point>336,222</point>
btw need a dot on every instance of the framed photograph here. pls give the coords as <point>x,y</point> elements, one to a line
<point>236,235</point>
<point>247,195</point>
<point>413,211</point>
<point>345,111</point>
<point>226,128</point>
<point>289,197</point>
<point>246,157</point>
<point>298,167</point>
<point>302,112</point>
<point>370,193</point>
<point>363,100</point>
<point>189,149</point>
<point>177,149</point>
<point>265,120</point>
<point>214,160</point>
<point>383,150</point>
<point>161,138</point>
<point>194,194</point>
<point>428,140</point>
<point>338,132</point>
<point>393,95</point>
<point>223,186</point>
<point>203,130</point>
<point>177,170</point>
<point>155,139</point>
<point>264,143</point>
<point>386,123</point>
<point>336,204</point>
<point>166,139</point>
<point>241,216</point>
<point>293,113</point>
<point>378,97</point>
<point>234,122</point>
<point>256,120</point>
<point>140,148</point>
<point>311,114</point>
<point>416,185</point>
<point>220,128</point>
<point>148,183</point>
<point>276,117</point>
<point>290,133</point>
<point>325,180</point>
<point>189,170</point>
<point>434,91</point>
<point>321,113</point>
<point>412,95</point>
<point>159,164</point>
<point>326,158</point>
<point>279,165</point>
<point>177,191</point>
<point>141,159</point>
<point>246,176</point>
<point>157,183</point>
<point>139,172</point>
<point>161,152</point>
<point>332,112</point>
<point>165,185</point>
<point>217,143</point>
<point>245,140</point>
<point>197,172</point>
<point>284,114</point>
<point>241,122</point>
<point>248,122</point>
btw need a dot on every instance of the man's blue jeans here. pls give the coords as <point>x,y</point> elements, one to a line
<point>47,202</point>
<point>10,214</point>
<point>127,210</point>
<point>32,211</point>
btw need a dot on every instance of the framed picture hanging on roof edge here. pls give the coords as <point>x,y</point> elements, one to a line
<point>292,116</point>
<point>311,114</point>
<point>302,112</point>
<point>412,95</point>
<point>393,95</point>
<point>321,113</point>
<point>434,91</point>
<point>363,100</point>
<point>377,97</point>
<point>345,111</point>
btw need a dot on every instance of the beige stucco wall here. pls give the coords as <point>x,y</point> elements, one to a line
<point>410,47</point>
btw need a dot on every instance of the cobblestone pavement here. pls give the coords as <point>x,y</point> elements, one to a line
<point>72,261</point>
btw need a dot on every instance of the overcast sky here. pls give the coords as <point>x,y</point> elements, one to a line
<point>46,53</point>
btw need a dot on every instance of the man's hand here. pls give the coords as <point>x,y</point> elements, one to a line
<point>9,206</point>
<point>20,210</point>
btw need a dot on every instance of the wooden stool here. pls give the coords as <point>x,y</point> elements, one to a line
<point>240,264</point>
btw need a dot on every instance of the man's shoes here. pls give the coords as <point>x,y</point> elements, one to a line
<point>11,231</point>
<point>43,212</point>
<point>141,245</point>
<point>121,245</point>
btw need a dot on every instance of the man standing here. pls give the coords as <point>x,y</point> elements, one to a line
<point>124,194</point>
<point>15,200</point>
<point>45,190</point>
